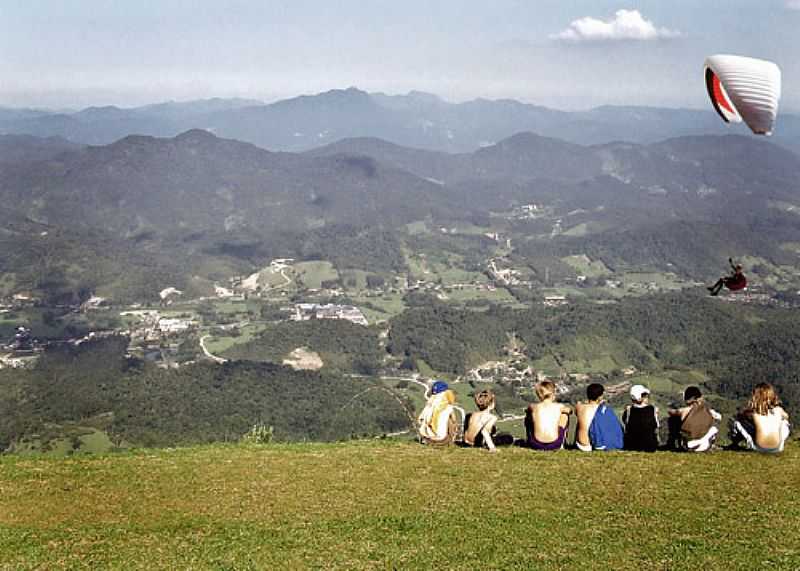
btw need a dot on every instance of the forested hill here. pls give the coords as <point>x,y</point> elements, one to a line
<point>736,346</point>
<point>728,347</point>
<point>168,211</point>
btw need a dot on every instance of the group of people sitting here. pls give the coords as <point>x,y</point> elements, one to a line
<point>763,425</point>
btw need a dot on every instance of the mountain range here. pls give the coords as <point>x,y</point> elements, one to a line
<point>172,206</point>
<point>417,119</point>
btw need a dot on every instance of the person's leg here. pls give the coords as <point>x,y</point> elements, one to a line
<point>741,430</point>
<point>714,289</point>
<point>528,426</point>
<point>705,443</point>
<point>674,427</point>
<point>452,428</point>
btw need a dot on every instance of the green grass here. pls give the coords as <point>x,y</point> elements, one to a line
<point>384,505</point>
<point>585,266</point>
<point>578,230</point>
<point>73,440</point>
<point>218,344</point>
<point>314,273</point>
<point>499,295</point>
<point>270,279</point>
<point>384,307</point>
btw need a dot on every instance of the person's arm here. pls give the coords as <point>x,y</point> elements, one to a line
<point>566,409</point>
<point>675,411</point>
<point>733,266</point>
<point>655,413</point>
<point>486,432</point>
<point>487,439</point>
<point>717,416</point>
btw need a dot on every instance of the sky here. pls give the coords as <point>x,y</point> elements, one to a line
<point>566,54</point>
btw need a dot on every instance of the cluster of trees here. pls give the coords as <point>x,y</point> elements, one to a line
<point>361,247</point>
<point>737,345</point>
<point>341,344</point>
<point>193,404</point>
<point>449,339</point>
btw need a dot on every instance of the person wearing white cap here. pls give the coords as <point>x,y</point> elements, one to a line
<point>640,421</point>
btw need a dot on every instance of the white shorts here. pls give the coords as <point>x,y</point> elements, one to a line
<point>703,444</point>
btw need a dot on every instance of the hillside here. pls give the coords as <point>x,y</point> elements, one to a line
<point>375,505</point>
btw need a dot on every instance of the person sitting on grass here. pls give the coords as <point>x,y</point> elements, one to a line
<point>437,421</point>
<point>585,412</point>
<point>734,282</point>
<point>698,430</point>
<point>763,424</point>
<point>640,420</point>
<point>480,429</point>
<point>546,421</point>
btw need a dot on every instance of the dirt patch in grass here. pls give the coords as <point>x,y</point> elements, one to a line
<point>304,359</point>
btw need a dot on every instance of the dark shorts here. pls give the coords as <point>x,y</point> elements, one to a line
<point>555,445</point>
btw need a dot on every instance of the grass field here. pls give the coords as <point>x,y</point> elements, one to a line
<point>385,505</point>
<point>384,307</point>
<point>585,266</point>
<point>314,273</point>
<point>219,344</point>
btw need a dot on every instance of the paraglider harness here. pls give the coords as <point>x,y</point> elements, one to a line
<point>737,281</point>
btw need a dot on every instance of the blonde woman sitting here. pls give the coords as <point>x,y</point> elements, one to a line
<point>763,424</point>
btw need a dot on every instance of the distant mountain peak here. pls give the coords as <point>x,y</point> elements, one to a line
<point>196,135</point>
<point>529,138</point>
<point>351,94</point>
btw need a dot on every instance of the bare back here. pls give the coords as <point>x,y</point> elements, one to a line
<point>547,417</point>
<point>478,421</point>
<point>768,427</point>
<point>585,412</point>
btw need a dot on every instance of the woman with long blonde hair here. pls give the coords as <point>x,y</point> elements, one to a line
<point>763,424</point>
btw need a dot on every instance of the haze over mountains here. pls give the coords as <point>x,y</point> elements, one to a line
<point>417,120</point>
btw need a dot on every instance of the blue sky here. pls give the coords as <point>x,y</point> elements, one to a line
<point>566,54</point>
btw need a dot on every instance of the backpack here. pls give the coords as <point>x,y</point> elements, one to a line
<point>697,423</point>
<point>605,431</point>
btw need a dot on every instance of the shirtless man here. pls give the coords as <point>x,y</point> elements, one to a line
<point>546,421</point>
<point>585,412</point>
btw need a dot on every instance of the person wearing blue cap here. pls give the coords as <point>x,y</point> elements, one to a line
<point>437,421</point>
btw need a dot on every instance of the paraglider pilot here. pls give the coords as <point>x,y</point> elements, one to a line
<point>735,282</point>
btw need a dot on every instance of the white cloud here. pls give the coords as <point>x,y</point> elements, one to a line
<point>625,25</point>
<point>793,4</point>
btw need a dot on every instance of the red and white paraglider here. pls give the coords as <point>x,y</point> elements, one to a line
<point>744,89</point>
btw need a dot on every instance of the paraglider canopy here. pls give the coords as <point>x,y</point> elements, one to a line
<point>744,89</point>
